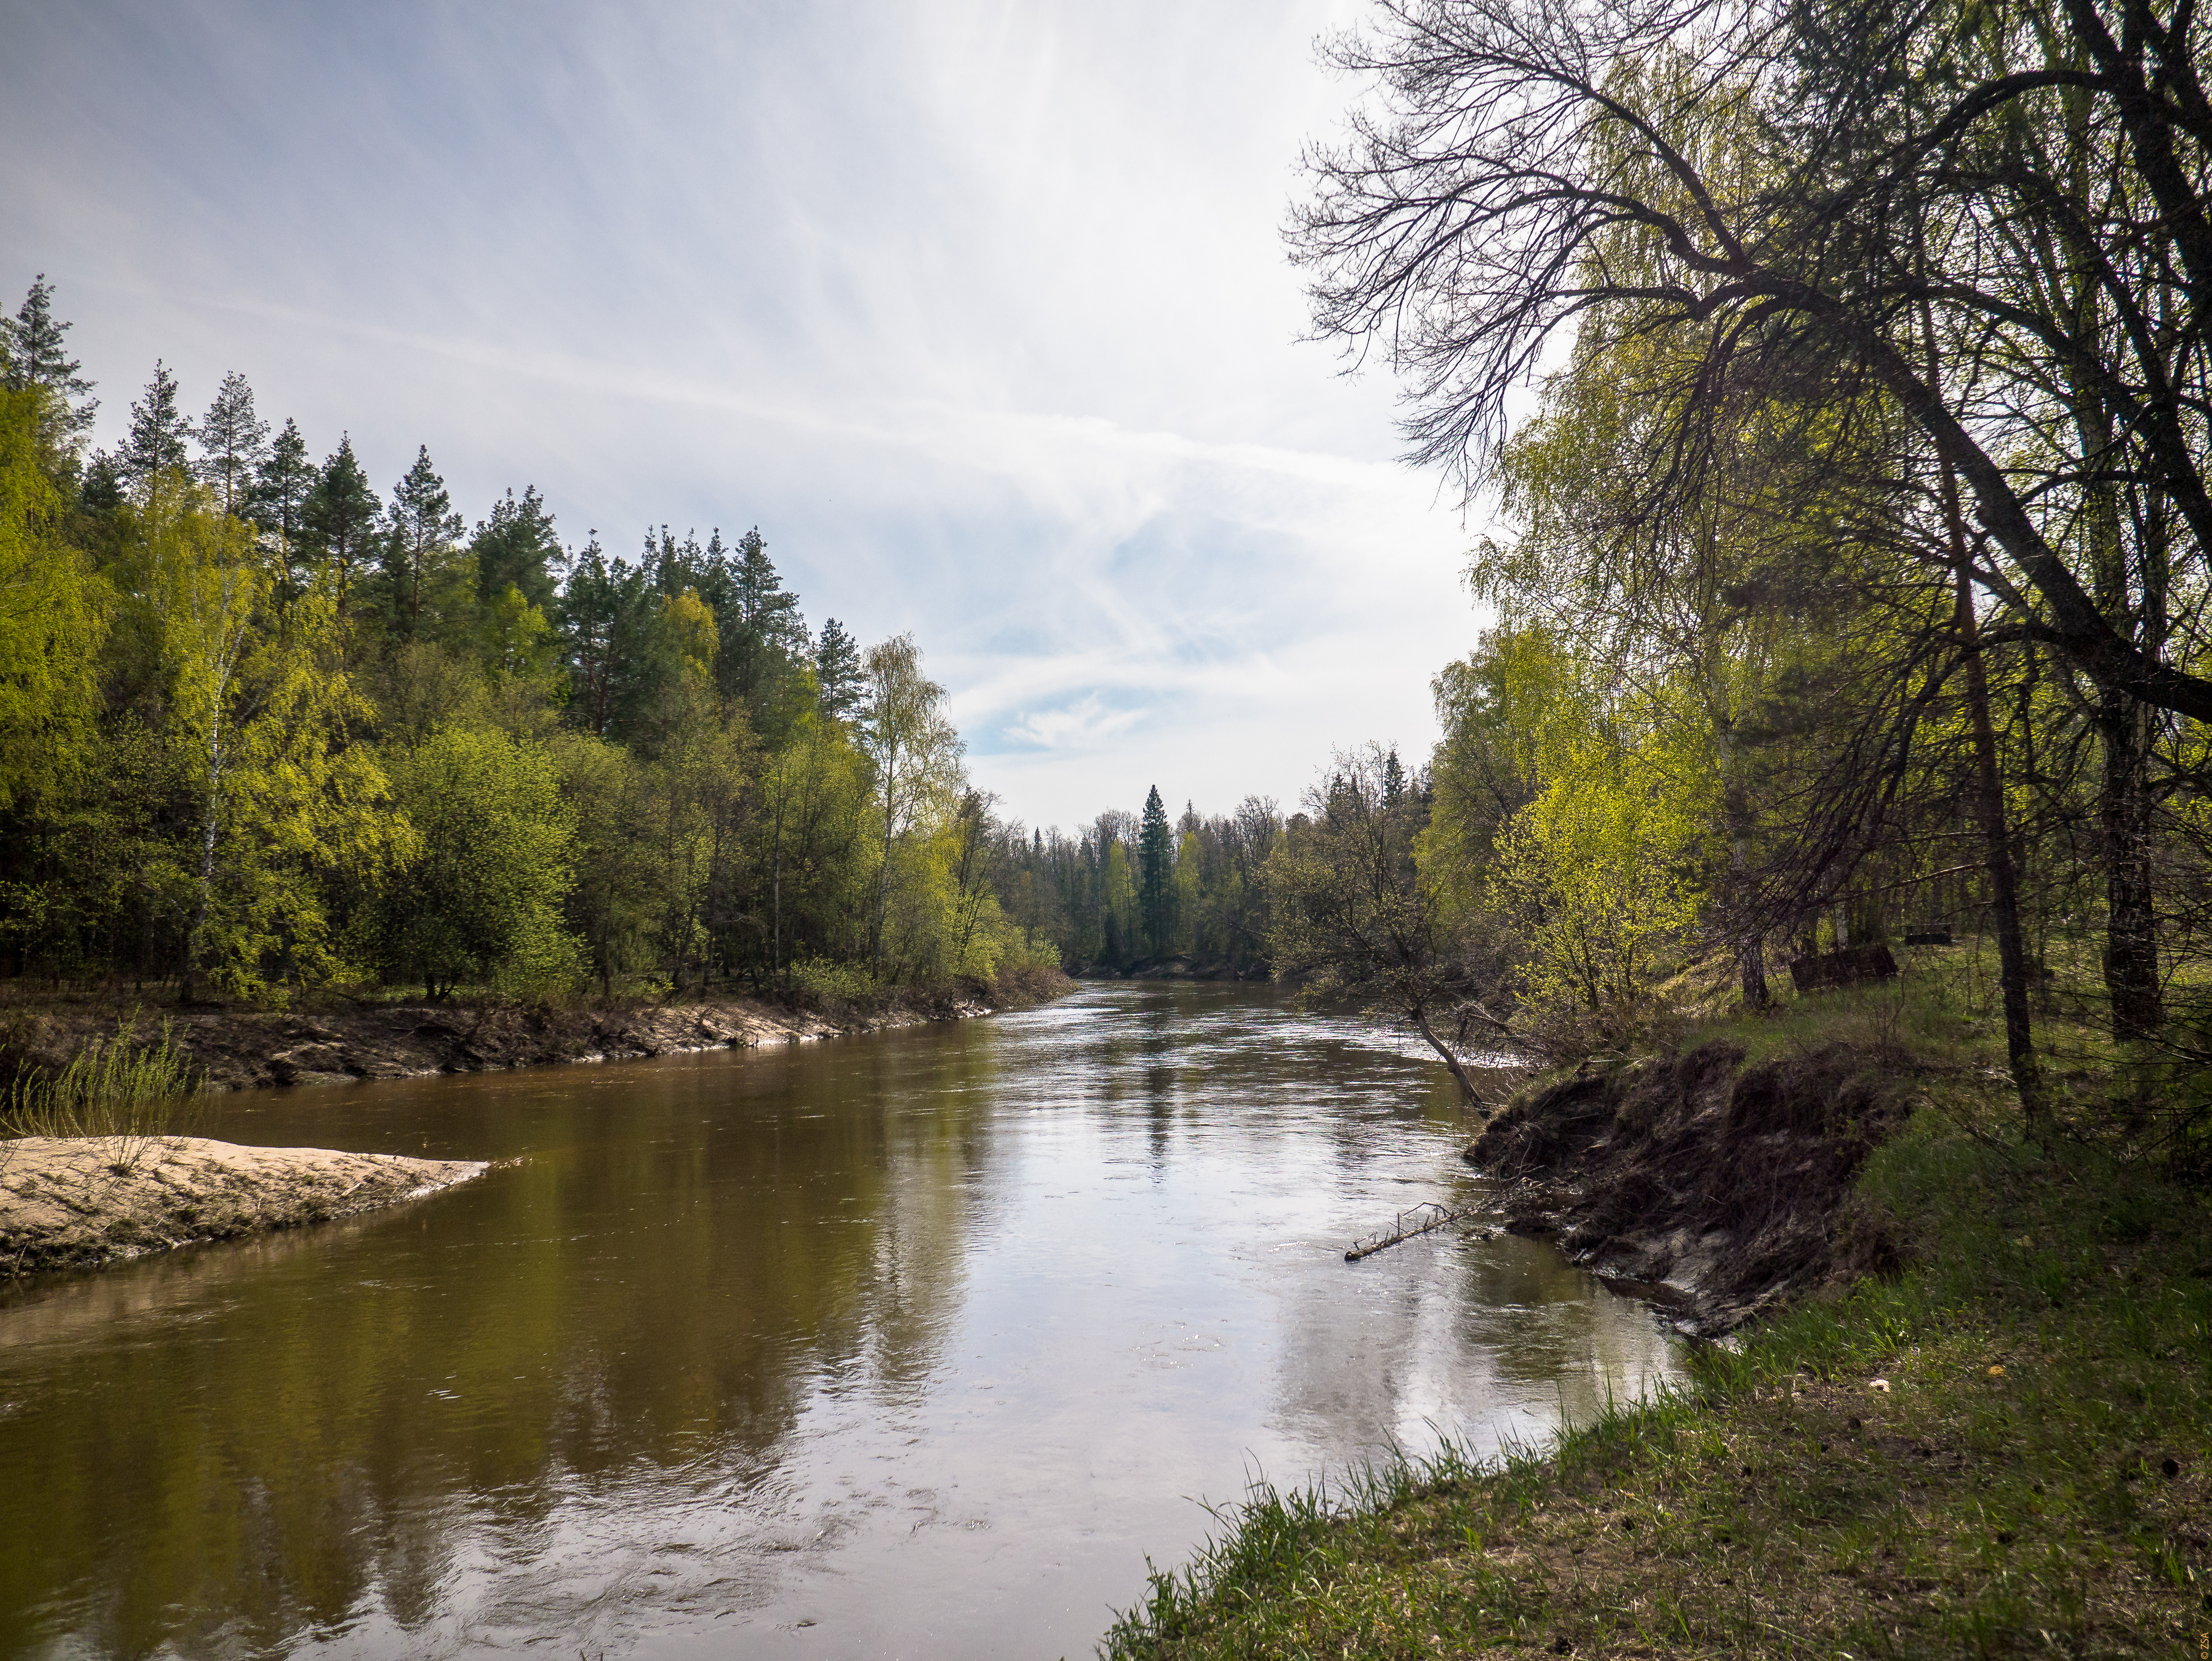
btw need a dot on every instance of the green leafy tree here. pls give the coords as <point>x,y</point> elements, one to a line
<point>613,905</point>
<point>1358,918</point>
<point>813,812</point>
<point>517,640</point>
<point>619,641</point>
<point>54,608</point>
<point>700,776</point>
<point>481,899</point>
<point>1598,872</point>
<point>255,726</point>
<point>915,752</point>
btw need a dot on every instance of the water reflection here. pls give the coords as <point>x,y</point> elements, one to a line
<point>906,1344</point>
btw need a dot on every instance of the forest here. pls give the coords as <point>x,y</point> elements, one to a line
<point>1846,579</point>
<point>266,732</point>
<point>1830,617</point>
<point>1849,572</point>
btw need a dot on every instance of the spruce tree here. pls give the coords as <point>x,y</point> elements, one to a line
<point>342,513</point>
<point>1156,871</point>
<point>155,448</point>
<point>233,443</point>
<point>837,672</point>
<point>33,354</point>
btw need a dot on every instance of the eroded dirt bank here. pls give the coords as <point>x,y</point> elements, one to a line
<point>1714,1188</point>
<point>73,1204</point>
<point>244,1049</point>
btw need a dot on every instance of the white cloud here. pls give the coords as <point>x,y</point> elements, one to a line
<point>976,308</point>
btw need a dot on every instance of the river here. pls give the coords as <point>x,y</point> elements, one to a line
<point>908,1345</point>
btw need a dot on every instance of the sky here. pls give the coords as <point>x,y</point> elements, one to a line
<point>979,312</point>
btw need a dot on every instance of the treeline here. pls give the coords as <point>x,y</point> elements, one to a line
<point>1854,583</point>
<point>263,730</point>
<point>1130,889</point>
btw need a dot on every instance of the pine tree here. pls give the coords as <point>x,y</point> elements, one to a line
<point>233,443</point>
<point>102,492</point>
<point>154,448</point>
<point>420,546</point>
<point>1156,871</point>
<point>342,513</point>
<point>762,634</point>
<point>282,485</point>
<point>33,354</point>
<point>517,548</point>
<point>837,672</point>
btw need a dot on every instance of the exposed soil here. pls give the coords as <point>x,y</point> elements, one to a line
<point>244,1047</point>
<point>1712,1189</point>
<point>79,1202</point>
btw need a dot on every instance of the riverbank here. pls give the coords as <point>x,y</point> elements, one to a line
<point>1973,1415</point>
<point>1182,967</point>
<point>243,1048</point>
<point>82,1202</point>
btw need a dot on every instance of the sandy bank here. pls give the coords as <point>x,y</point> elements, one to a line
<point>63,1204</point>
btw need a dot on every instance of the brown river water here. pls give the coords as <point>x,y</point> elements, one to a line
<point>912,1345</point>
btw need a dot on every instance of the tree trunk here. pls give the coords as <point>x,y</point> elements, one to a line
<point>210,821</point>
<point>2004,887</point>
<point>2131,971</point>
<point>1750,951</point>
<point>2004,884</point>
<point>1466,1089</point>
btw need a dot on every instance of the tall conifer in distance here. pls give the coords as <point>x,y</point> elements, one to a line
<point>278,504</point>
<point>838,670</point>
<point>33,354</point>
<point>1156,871</point>
<point>420,545</point>
<point>342,514</point>
<point>762,634</point>
<point>155,446</point>
<point>517,548</point>
<point>233,443</point>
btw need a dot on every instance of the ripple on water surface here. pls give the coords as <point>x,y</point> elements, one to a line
<point>908,1345</point>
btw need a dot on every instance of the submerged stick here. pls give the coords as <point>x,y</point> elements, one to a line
<point>1424,1218</point>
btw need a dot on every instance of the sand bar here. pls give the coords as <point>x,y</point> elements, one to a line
<point>68,1202</point>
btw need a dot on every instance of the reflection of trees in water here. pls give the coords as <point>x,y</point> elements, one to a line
<point>1503,1325</point>
<point>248,1443</point>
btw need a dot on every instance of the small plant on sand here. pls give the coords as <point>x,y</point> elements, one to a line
<point>130,1095</point>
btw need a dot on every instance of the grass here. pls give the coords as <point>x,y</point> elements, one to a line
<point>2034,1478</point>
<point>130,1095</point>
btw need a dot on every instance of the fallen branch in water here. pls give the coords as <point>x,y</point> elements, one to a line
<point>1424,1218</point>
